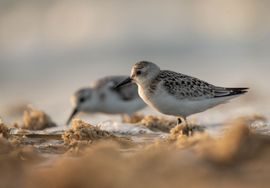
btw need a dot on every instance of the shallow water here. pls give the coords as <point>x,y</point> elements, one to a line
<point>49,141</point>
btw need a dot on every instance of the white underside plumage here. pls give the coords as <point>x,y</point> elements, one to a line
<point>113,104</point>
<point>170,105</point>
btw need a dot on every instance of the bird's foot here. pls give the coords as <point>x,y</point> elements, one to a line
<point>187,130</point>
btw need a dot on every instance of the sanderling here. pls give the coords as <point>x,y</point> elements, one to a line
<point>176,94</point>
<point>102,97</point>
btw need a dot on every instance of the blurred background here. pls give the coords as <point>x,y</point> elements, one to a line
<point>48,49</point>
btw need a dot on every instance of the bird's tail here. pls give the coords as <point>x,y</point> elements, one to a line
<point>226,92</point>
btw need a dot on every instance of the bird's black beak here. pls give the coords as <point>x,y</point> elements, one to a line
<point>125,82</point>
<point>75,111</point>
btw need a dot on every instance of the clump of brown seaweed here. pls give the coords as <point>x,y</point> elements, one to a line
<point>158,123</point>
<point>136,118</point>
<point>4,130</point>
<point>82,131</point>
<point>237,145</point>
<point>153,123</point>
<point>82,134</point>
<point>34,119</point>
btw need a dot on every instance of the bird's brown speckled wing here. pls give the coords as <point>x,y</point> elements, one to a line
<point>186,87</point>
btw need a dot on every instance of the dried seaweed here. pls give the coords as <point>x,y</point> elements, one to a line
<point>34,119</point>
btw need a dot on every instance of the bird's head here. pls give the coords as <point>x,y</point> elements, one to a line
<point>82,101</point>
<point>141,73</point>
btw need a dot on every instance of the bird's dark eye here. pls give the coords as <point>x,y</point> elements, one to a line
<point>81,100</point>
<point>138,72</point>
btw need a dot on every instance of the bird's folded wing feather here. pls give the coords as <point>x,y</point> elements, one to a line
<point>182,87</point>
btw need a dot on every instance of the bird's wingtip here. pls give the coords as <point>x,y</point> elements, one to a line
<point>232,91</point>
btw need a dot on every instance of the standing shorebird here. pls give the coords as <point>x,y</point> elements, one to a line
<point>102,97</point>
<point>176,94</point>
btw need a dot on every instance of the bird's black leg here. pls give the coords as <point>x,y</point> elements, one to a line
<point>179,121</point>
<point>186,130</point>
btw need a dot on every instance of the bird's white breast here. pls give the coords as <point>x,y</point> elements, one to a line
<point>170,105</point>
<point>111,103</point>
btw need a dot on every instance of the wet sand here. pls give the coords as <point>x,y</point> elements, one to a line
<point>88,156</point>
